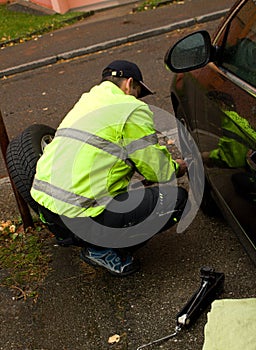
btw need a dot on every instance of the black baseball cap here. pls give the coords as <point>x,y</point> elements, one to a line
<point>126,69</point>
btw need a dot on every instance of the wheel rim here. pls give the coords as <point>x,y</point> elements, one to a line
<point>46,139</point>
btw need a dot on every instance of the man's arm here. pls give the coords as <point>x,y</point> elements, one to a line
<point>151,160</point>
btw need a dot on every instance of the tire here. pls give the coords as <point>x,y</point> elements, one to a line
<point>208,206</point>
<point>188,148</point>
<point>191,154</point>
<point>22,155</point>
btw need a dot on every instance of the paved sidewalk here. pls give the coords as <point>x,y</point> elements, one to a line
<point>106,29</point>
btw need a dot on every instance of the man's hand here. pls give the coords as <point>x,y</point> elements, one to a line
<point>182,167</point>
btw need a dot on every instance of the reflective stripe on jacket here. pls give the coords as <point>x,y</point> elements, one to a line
<point>96,150</point>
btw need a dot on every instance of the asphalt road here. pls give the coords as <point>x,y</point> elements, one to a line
<point>45,95</point>
<point>79,308</point>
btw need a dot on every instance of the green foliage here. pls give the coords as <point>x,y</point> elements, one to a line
<point>152,4</point>
<point>23,256</point>
<point>22,26</point>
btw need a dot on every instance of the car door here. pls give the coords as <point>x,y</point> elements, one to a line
<point>226,118</point>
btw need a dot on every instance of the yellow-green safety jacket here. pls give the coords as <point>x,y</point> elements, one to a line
<point>238,137</point>
<point>96,150</point>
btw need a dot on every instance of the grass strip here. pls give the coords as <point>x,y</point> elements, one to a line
<point>18,27</point>
<point>24,258</point>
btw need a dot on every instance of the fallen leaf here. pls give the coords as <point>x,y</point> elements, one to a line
<point>5,224</point>
<point>114,339</point>
<point>12,228</point>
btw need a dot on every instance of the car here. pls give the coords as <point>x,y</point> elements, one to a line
<point>213,93</point>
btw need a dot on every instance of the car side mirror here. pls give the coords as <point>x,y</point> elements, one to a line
<point>191,52</point>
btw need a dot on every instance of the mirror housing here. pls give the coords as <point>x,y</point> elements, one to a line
<point>192,52</point>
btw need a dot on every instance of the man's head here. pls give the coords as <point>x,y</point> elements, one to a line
<point>127,76</point>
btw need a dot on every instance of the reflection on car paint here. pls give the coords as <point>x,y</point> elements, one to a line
<point>217,103</point>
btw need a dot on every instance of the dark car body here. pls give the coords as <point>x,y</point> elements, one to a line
<point>214,95</point>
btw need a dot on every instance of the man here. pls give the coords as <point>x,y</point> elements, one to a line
<point>81,182</point>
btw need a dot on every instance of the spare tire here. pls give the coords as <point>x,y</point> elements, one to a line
<point>22,155</point>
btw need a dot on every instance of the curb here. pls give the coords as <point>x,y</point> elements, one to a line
<point>112,43</point>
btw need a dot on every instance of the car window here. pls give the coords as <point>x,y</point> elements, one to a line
<point>239,52</point>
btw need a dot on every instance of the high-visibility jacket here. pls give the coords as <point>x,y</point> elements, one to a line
<point>95,152</point>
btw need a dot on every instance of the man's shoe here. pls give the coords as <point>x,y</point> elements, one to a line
<point>114,261</point>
